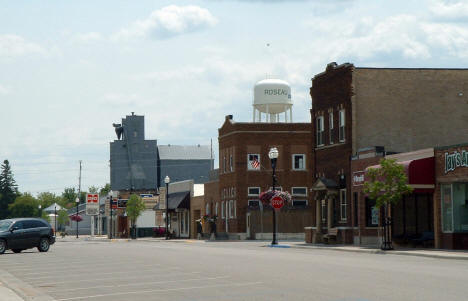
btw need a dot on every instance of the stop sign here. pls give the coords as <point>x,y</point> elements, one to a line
<point>277,202</point>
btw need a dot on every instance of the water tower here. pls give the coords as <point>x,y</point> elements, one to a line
<point>272,97</point>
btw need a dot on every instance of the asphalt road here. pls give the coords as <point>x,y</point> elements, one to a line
<point>140,270</point>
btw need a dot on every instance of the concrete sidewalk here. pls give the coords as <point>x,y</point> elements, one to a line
<point>7,294</point>
<point>432,253</point>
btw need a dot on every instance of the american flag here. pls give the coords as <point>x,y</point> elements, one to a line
<point>255,164</point>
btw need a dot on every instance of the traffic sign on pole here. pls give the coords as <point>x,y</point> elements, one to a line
<point>277,202</point>
<point>92,204</point>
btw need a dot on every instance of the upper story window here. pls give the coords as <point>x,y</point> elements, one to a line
<point>224,164</point>
<point>330,127</point>
<point>216,209</point>
<point>253,161</point>
<point>342,125</point>
<point>231,164</point>
<point>299,191</point>
<point>207,209</point>
<point>298,162</point>
<point>319,130</point>
<point>253,191</point>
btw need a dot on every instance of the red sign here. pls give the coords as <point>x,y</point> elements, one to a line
<point>277,202</point>
<point>92,198</point>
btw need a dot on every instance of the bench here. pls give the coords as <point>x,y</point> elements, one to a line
<point>332,234</point>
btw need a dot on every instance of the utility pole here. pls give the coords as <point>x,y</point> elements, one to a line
<point>78,200</point>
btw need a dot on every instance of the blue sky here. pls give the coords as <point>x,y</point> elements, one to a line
<point>71,69</point>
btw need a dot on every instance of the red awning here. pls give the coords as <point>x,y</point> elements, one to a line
<point>420,173</point>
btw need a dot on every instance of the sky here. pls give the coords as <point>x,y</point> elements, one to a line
<point>69,69</point>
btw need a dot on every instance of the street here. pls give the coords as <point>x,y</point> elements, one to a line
<point>242,270</point>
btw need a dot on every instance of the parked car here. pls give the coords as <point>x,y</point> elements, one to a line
<point>19,234</point>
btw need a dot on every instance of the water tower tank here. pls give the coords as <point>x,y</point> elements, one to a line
<point>272,97</point>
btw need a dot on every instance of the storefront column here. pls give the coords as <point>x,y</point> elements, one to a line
<point>317,238</point>
<point>437,215</point>
<point>330,204</point>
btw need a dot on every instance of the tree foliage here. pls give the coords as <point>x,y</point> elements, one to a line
<point>62,218</point>
<point>68,196</point>
<point>135,207</point>
<point>47,198</point>
<point>105,189</point>
<point>387,184</point>
<point>8,189</point>
<point>24,206</point>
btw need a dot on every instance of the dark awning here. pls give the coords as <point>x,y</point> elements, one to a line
<point>177,200</point>
<point>420,173</point>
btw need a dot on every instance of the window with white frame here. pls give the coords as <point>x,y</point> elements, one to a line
<point>299,191</point>
<point>207,209</point>
<point>223,210</point>
<point>343,204</point>
<point>330,127</point>
<point>298,162</point>
<point>299,203</point>
<point>254,203</point>
<point>231,164</point>
<point>342,125</point>
<point>224,164</point>
<point>235,209</point>
<point>319,129</point>
<point>253,191</point>
<point>231,209</point>
<point>253,161</point>
<point>216,208</point>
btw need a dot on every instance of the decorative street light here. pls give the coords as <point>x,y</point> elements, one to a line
<point>273,155</point>
<point>55,218</point>
<point>167,180</point>
<point>77,201</point>
<point>40,210</point>
<point>110,204</point>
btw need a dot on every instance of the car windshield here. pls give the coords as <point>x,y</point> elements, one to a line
<point>4,225</point>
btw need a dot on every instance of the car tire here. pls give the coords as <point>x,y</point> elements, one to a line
<point>3,246</point>
<point>17,250</point>
<point>44,245</point>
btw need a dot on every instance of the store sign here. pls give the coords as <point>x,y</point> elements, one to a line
<point>358,178</point>
<point>92,204</point>
<point>455,160</point>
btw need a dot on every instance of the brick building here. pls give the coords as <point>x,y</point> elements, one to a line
<point>354,108</point>
<point>234,197</point>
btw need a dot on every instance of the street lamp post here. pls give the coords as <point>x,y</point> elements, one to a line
<point>110,223</point>
<point>40,210</point>
<point>77,201</point>
<point>167,180</point>
<point>273,154</point>
<point>55,218</point>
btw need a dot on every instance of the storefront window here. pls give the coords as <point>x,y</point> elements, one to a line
<point>372,213</point>
<point>460,207</point>
<point>447,216</point>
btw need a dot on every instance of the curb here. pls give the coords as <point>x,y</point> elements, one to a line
<point>381,252</point>
<point>23,290</point>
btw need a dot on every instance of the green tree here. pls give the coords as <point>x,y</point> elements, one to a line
<point>387,185</point>
<point>93,189</point>
<point>68,197</point>
<point>135,207</point>
<point>8,189</point>
<point>24,206</point>
<point>45,215</point>
<point>105,189</point>
<point>62,218</point>
<point>47,198</point>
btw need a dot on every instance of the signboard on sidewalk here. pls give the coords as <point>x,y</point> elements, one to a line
<point>92,204</point>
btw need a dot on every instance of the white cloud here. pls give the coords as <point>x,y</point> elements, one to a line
<point>168,22</point>
<point>450,10</point>
<point>3,90</point>
<point>12,45</point>
<point>87,37</point>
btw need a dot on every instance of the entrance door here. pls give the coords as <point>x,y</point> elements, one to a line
<point>248,224</point>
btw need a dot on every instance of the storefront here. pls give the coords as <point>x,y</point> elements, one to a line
<point>412,217</point>
<point>451,197</point>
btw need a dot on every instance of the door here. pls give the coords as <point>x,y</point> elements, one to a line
<point>17,236</point>
<point>248,224</point>
<point>175,224</point>
<point>32,233</point>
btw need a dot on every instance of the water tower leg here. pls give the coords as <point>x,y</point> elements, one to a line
<point>253,119</point>
<point>290,115</point>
